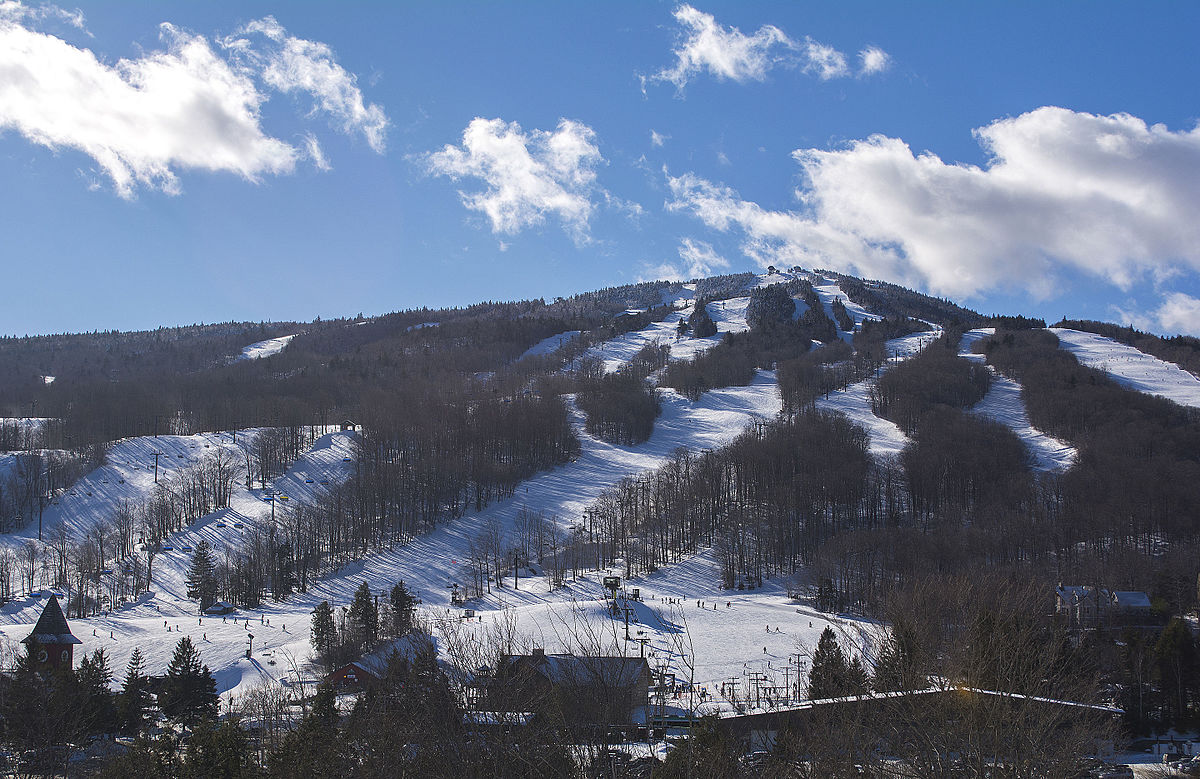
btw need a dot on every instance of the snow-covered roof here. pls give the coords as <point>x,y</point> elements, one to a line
<point>582,671</point>
<point>407,647</point>
<point>1131,600</point>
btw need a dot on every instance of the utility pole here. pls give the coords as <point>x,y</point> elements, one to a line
<point>156,456</point>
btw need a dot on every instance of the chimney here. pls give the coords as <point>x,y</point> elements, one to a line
<point>539,651</point>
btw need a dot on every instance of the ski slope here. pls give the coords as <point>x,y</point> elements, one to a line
<point>692,637</point>
<point>886,439</point>
<point>1131,367</point>
<point>551,344</point>
<point>261,349</point>
<point>1004,404</point>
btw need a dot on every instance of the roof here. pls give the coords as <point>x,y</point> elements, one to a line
<point>1074,593</point>
<point>51,627</point>
<point>376,663</point>
<point>584,671</point>
<point>1131,600</point>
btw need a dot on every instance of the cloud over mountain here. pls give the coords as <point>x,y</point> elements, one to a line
<point>526,175</point>
<point>1106,195</point>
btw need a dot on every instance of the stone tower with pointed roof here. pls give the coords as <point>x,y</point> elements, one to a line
<point>51,644</point>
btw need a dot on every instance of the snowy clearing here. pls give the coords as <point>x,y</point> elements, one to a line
<point>1005,404</point>
<point>1131,367</point>
<point>261,349</point>
<point>551,344</point>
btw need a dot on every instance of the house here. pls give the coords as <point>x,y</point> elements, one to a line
<point>1081,606</point>
<point>374,666</point>
<point>1131,606</point>
<point>347,425</point>
<point>597,690</point>
<point>220,609</point>
<point>51,643</point>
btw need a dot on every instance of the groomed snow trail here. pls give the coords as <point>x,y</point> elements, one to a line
<point>1131,367</point>
<point>886,437</point>
<point>1005,404</point>
<point>261,349</point>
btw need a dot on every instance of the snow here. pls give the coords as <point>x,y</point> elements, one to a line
<point>261,349</point>
<point>48,379</point>
<point>887,440</point>
<point>551,344</point>
<point>828,291</point>
<point>725,642</point>
<point>420,326</point>
<point>1004,404</point>
<point>1131,367</point>
<point>728,315</point>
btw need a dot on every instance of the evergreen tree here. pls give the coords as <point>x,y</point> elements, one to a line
<point>362,621</point>
<point>135,694</point>
<point>314,749</point>
<point>403,605</point>
<point>1175,665</point>
<point>700,322</point>
<point>97,707</point>
<point>827,679</point>
<point>219,752</point>
<point>858,682</point>
<point>324,631</point>
<point>897,666</point>
<point>201,577</point>
<point>189,692</point>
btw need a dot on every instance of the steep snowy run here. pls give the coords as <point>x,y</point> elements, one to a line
<point>1004,404</point>
<point>261,349</point>
<point>1131,367</point>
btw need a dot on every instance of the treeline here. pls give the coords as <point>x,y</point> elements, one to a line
<point>1134,492</point>
<point>110,386</point>
<point>1183,350</point>
<point>774,337</point>
<point>621,406</point>
<point>936,376</point>
<point>32,480</point>
<point>804,379</point>
<point>892,300</point>
<point>766,502</point>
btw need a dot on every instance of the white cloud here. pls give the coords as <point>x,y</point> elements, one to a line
<point>725,52</point>
<point>526,175</point>
<point>700,258</point>
<point>1179,313</point>
<point>185,107</point>
<point>697,259</point>
<point>825,61</point>
<point>729,54</point>
<point>291,64</point>
<point>873,60</point>
<point>14,11</point>
<point>657,138</point>
<point>138,119</point>
<point>1105,195</point>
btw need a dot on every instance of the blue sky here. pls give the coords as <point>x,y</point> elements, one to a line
<point>171,163</point>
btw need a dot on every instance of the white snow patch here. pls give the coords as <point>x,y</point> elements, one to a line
<point>551,344</point>
<point>1131,367</point>
<point>886,437</point>
<point>1005,404</point>
<point>261,349</point>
